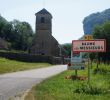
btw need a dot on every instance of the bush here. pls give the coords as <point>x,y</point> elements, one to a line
<point>93,90</point>
<point>103,69</point>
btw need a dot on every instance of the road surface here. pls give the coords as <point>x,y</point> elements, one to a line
<point>15,84</point>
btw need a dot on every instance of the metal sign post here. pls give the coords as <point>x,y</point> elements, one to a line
<point>76,73</point>
<point>89,69</point>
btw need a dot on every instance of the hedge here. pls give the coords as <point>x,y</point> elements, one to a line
<point>31,58</point>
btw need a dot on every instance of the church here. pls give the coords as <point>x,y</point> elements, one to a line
<point>44,43</point>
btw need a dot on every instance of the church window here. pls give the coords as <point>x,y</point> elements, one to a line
<point>42,20</point>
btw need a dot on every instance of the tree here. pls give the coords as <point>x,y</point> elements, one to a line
<point>22,34</point>
<point>18,34</point>
<point>67,49</point>
<point>103,32</point>
<point>3,24</point>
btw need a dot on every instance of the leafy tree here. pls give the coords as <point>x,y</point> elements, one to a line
<point>3,24</point>
<point>67,49</point>
<point>22,33</point>
<point>18,34</point>
<point>103,32</point>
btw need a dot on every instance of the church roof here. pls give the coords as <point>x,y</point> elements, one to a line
<point>43,11</point>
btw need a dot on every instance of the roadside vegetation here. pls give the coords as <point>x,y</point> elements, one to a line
<point>7,66</point>
<point>61,87</point>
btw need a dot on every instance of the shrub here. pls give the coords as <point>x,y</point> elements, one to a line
<point>93,90</point>
<point>103,69</point>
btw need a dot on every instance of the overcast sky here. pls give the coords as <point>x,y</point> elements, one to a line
<point>67,14</point>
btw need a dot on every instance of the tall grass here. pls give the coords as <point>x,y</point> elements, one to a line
<point>103,69</point>
<point>7,65</point>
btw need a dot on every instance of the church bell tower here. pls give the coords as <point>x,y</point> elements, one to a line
<point>43,22</point>
<point>44,43</point>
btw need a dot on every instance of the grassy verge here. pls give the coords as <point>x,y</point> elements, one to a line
<point>60,88</point>
<point>7,65</point>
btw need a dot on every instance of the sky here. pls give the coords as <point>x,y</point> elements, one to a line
<point>68,15</point>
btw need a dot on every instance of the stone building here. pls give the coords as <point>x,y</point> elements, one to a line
<point>44,43</point>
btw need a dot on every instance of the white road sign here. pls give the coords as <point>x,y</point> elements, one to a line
<point>89,45</point>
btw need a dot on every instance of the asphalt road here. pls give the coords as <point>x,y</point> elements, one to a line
<point>15,84</point>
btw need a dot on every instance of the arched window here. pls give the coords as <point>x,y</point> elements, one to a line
<point>42,20</point>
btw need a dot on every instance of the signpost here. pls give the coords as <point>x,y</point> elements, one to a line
<point>77,66</point>
<point>76,61</point>
<point>87,45</point>
<point>88,37</point>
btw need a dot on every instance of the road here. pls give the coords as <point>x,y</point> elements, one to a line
<point>15,84</point>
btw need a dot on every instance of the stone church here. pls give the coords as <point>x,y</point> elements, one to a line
<point>44,43</point>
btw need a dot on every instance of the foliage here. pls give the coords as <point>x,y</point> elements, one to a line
<point>98,24</point>
<point>18,34</point>
<point>67,48</point>
<point>103,32</point>
<point>22,35</point>
<point>94,19</point>
<point>4,27</point>
<point>92,90</point>
<point>103,69</point>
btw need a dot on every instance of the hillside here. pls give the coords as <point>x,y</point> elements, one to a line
<point>94,19</point>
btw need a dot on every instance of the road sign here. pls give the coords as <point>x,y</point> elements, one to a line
<point>77,66</point>
<point>76,61</point>
<point>89,45</point>
<point>76,57</point>
<point>88,37</point>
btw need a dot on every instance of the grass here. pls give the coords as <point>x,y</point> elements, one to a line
<point>59,88</point>
<point>103,69</point>
<point>7,65</point>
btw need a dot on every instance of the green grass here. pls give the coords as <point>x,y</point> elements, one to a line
<point>7,65</point>
<point>103,69</point>
<point>59,88</point>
